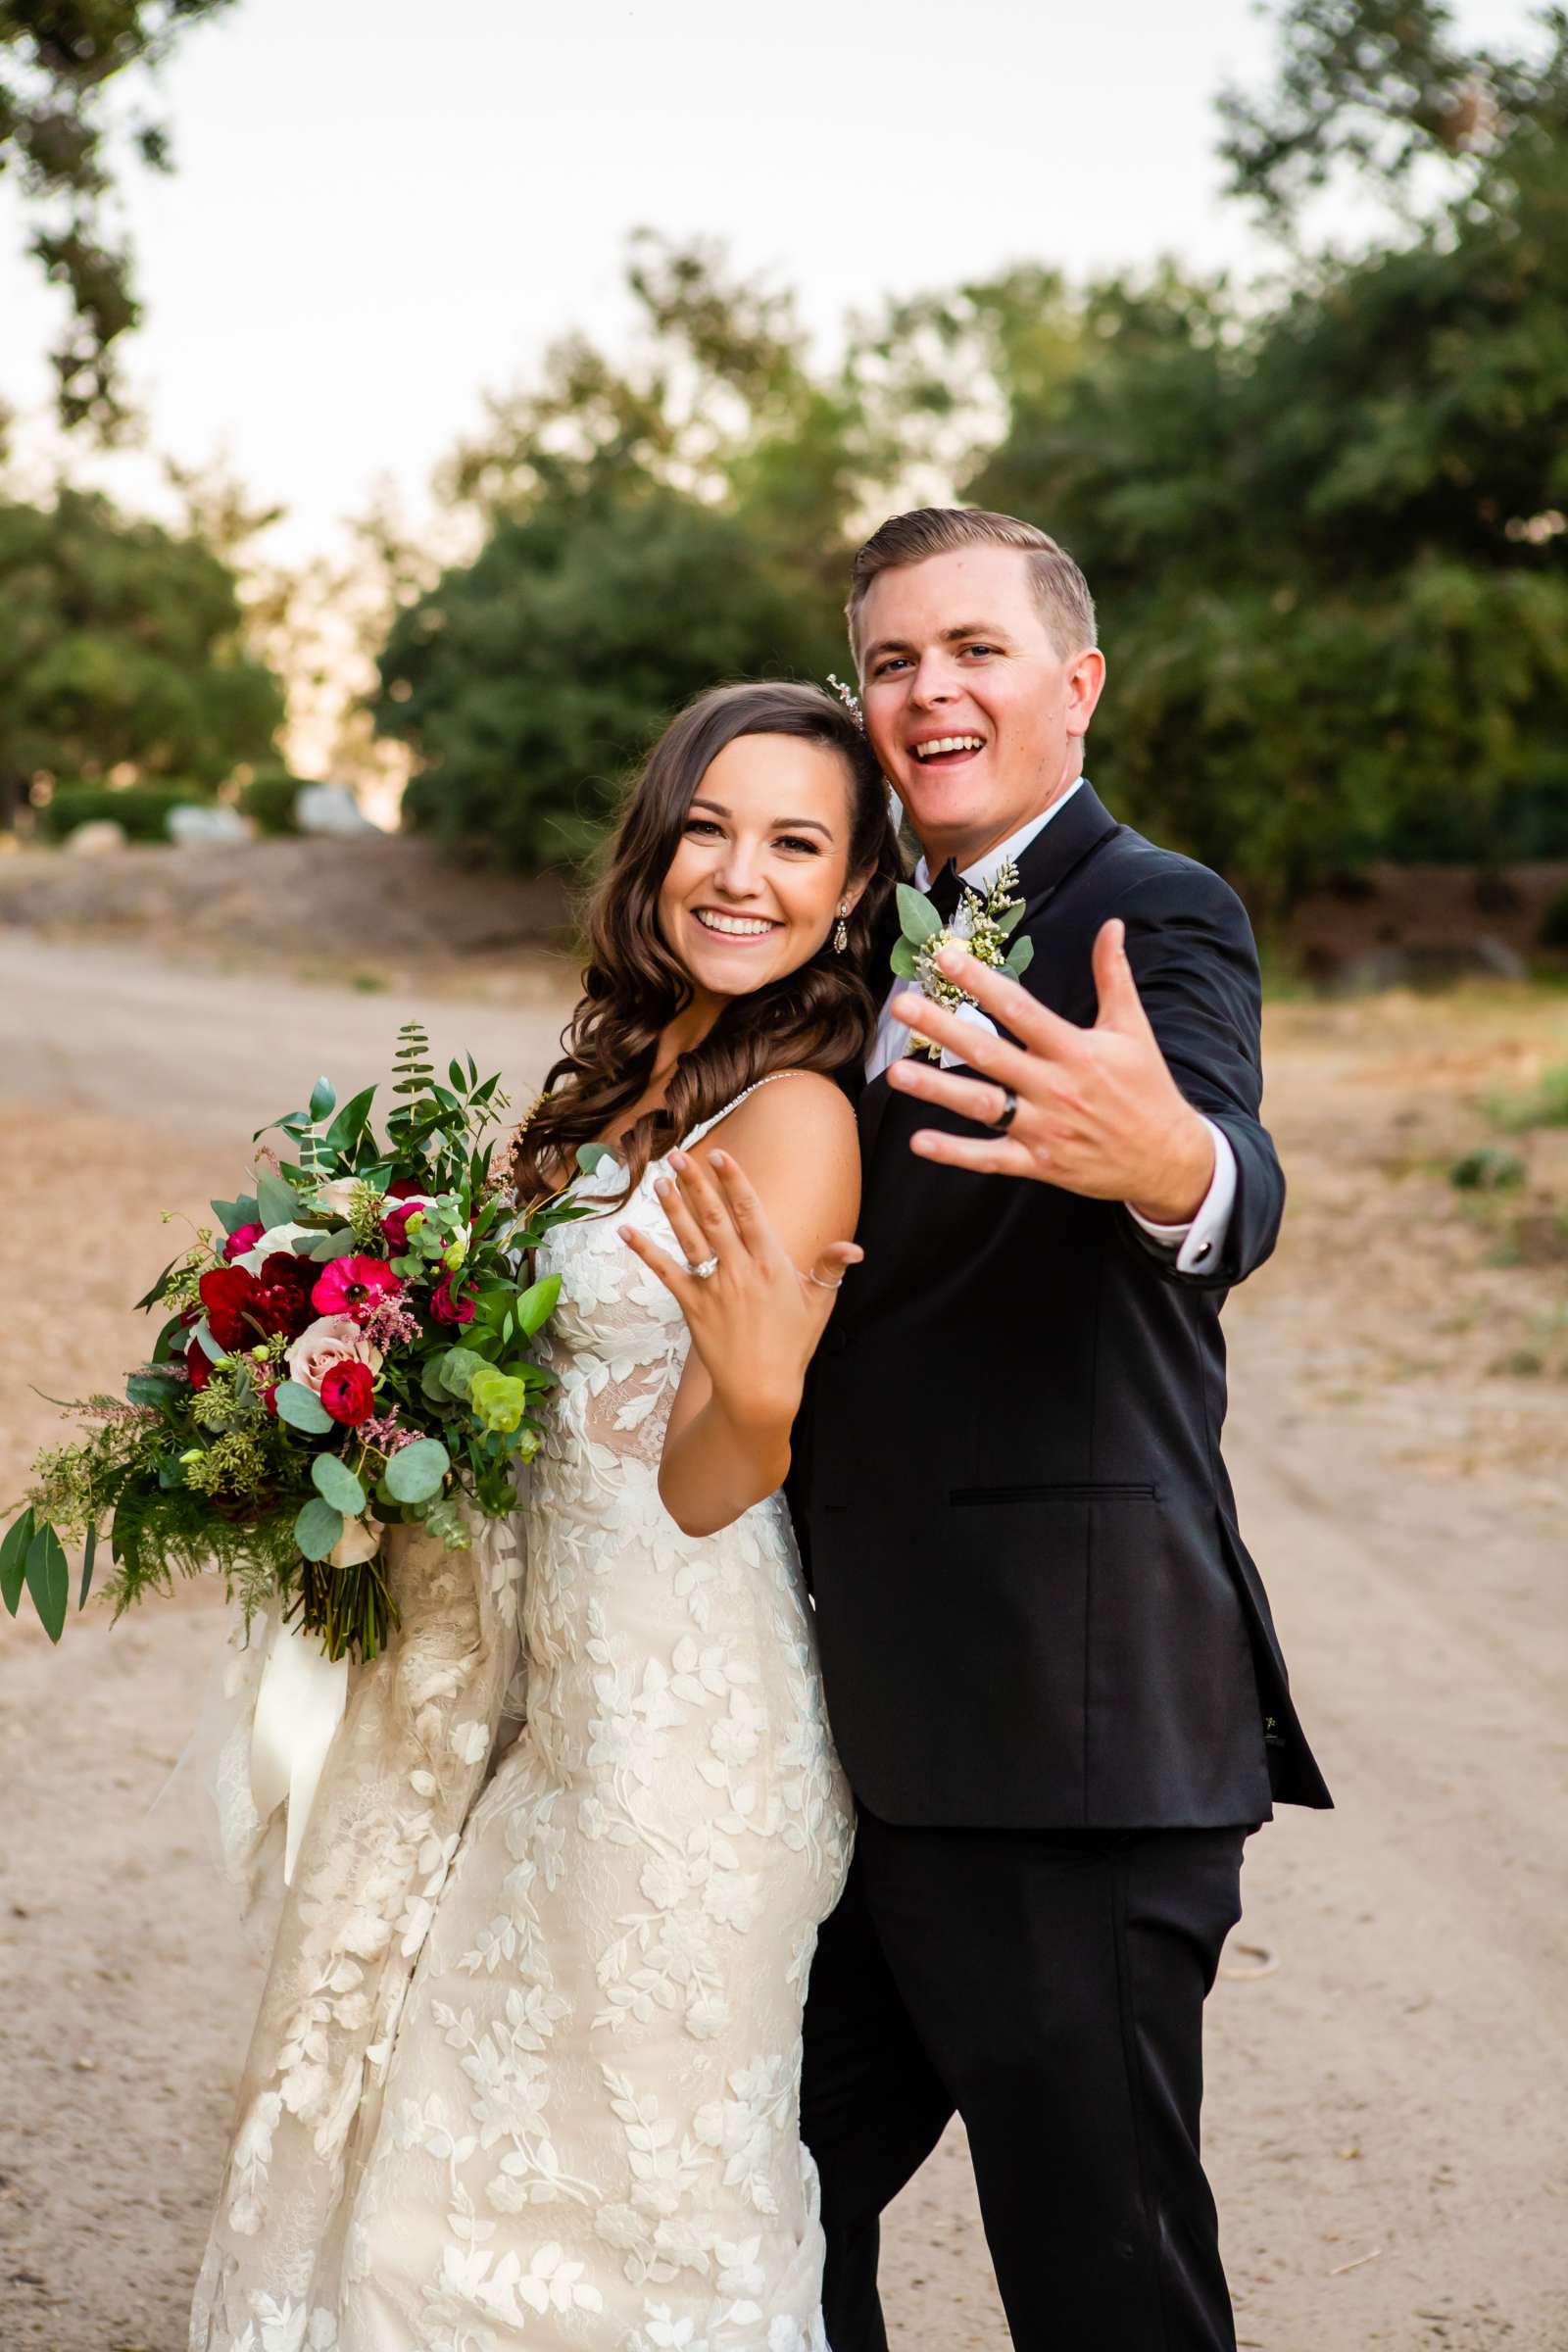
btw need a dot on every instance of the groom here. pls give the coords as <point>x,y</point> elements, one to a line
<point>1052,1673</point>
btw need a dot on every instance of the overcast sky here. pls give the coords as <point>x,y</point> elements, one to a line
<point>381,209</point>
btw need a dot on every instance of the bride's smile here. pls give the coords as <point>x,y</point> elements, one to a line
<point>759,878</point>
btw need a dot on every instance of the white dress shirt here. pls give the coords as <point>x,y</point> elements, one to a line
<point>1195,1245</point>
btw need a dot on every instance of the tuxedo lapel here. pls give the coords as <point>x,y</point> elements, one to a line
<point>1058,847</point>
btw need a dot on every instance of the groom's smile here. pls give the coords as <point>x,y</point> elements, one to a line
<point>975,714</point>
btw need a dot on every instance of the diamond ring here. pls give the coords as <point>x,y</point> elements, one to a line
<point>708,1266</point>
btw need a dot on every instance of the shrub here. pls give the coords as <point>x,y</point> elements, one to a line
<point>142,809</point>
<point>1554,921</point>
<point>269,800</point>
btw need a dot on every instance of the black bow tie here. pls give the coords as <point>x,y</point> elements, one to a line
<point>945,892</point>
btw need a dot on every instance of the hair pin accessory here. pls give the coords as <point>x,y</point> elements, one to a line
<point>848,698</point>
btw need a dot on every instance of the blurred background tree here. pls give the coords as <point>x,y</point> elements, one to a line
<point>122,660</point>
<point>58,60</point>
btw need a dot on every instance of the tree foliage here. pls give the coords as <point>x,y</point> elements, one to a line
<point>121,649</point>
<point>1326,530</point>
<point>58,59</point>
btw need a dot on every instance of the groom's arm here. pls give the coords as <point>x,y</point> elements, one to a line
<point>1194,964</point>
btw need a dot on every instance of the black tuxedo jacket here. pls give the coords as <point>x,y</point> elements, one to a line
<point>1045,1616</point>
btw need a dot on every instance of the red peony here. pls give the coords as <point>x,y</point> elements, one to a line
<point>350,1285</point>
<point>197,1365</point>
<point>347,1391</point>
<point>446,1306</point>
<point>283,1293</point>
<point>228,1295</point>
<point>243,1237</point>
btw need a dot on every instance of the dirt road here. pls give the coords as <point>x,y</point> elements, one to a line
<point>1387,2084</point>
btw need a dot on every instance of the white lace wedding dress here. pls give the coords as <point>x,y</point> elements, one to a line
<point>526,2073</point>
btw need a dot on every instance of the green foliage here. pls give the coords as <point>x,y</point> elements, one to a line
<point>142,809</point>
<point>56,126</point>
<point>1487,1170</point>
<point>1545,1104</point>
<point>1554,921</point>
<point>122,643</point>
<point>533,680</point>
<point>268,799</point>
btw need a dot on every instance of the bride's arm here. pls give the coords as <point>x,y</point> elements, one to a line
<point>772,1205</point>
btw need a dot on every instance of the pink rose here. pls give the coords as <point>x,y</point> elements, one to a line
<point>333,1340</point>
<point>243,1237</point>
<point>395,1221</point>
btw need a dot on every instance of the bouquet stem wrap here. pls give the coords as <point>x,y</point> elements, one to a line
<point>299,1706</point>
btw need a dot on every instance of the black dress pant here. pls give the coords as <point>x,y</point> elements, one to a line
<point>1048,1984</point>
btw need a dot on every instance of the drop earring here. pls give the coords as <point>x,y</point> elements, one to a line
<point>841,930</point>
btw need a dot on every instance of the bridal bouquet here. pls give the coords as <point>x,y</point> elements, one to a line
<point>352,1352</point>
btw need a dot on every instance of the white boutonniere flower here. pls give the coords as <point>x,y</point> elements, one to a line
<point>981,926</point>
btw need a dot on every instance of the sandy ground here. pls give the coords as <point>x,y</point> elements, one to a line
<point>1387,2077</point>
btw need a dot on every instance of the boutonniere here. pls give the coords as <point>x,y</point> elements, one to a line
<point>982,926</point>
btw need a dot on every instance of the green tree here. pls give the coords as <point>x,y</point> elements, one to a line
<point>1328,536</point>
<point>529,681</point>
<point>123,650</point>
<point>645,530</point>
<point>58,59</point>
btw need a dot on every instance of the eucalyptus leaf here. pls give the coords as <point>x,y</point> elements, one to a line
<point>88,1555</point>
<point>1008,923</point>
<point>340,1244</point>
<point>903,961</point>
<point>301,1408</point>
<point>416,1472</point>
<point>154,1387</point>
<point>458,1368</point>
<point>48,1580</point>
<point>349,1123</point>
<point>1020,955</point>
<point>592,1157</point>
<point>337,1485</point>
<point>317,1529</point>
<point>537,1304</point>
<point>13,1559</point>
<point>211,1348</point>
<point>227,1214</point>
<point>323,1100</point>
<point>919,919</point>
<point>277,1199</point>
<point>431,1380</point>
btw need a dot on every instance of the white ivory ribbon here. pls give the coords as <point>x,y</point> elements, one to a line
<point>299,1706</point>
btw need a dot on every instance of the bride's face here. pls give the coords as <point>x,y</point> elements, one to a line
<point>761,870</point>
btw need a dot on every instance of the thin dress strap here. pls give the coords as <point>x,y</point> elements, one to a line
<point>707,1126</point>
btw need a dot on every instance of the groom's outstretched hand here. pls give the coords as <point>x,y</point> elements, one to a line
<point>1097,1110</point>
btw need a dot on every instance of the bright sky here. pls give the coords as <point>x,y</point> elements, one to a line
<point>380,209</point>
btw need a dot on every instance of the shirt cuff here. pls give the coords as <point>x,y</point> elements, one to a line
<point>1199,1244</point>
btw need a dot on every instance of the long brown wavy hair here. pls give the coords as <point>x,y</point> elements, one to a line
<point>820,1016</point>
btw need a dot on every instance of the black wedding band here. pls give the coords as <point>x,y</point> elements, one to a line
<point>1009,1108</point>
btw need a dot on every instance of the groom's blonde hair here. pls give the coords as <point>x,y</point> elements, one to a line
<point>1065,604</point>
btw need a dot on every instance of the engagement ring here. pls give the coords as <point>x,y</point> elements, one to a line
<point>709,1265</point>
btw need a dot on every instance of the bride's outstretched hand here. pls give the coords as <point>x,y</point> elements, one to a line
<point>755,1318</point>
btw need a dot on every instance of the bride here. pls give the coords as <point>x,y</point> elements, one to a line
<point>527,2070</point>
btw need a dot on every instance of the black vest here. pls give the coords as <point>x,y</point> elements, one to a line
<point>1033,1604</point>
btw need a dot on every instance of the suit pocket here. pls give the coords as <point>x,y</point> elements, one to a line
<point>965,1497</point>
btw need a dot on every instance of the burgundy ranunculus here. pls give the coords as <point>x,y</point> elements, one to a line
<point>243,1237</point>
<point>395,1227</point>
<point>283,1293</point>
<point>446,1306</point>
<point>347,1391</point>
<point>228,1295</point>
<point>198,1365</point>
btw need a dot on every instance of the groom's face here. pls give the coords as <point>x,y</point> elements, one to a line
<point>977,717</point>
